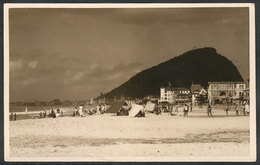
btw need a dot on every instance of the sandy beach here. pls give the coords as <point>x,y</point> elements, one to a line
<point>123,136</point>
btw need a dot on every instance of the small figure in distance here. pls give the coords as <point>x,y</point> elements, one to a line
<point>226,109</point>
<point>236,108</point>
<point>186,110</point>
<point>11,116</point>
<point>14,116</point>
<point>209,111</point>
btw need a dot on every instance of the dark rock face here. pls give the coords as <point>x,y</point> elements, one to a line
<point>198,66</point>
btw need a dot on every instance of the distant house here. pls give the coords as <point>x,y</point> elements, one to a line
<point>196,90</point>
<point>232,89</point>
<point>171,95</point>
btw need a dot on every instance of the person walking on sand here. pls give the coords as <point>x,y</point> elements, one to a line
<point>236,108</point>
<point>186,110</point>
<point>209,111</point>
<point>191,107</point>
<point>244,109</point>
<point>226,109</point>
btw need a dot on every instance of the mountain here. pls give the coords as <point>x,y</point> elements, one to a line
<point>198,66</point>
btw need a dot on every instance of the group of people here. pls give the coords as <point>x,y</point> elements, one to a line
<point>239,110</point>
<point>185,108</point>
<point>12,116</point>
<point>80,111</point>
<point>51,113</point>
<point>244,109</point>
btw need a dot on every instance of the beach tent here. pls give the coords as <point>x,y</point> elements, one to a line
<point>149,106</point>
<point>135,110</point>
<point>115,107</point>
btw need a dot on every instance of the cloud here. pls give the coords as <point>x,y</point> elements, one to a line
<point>33,64</point>
<point>16,65</point>
<point>93,66</point>
<point>68,73</point>
<point>78,76</point>
<point>30,81</point>
<point>114,76</point>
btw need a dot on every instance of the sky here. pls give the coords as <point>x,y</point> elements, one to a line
<point>75,54</point>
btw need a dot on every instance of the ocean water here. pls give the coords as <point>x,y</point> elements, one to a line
<point>33,108</point>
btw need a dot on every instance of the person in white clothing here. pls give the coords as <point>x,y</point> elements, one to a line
<point>81,110</point>
<point>247,108</point>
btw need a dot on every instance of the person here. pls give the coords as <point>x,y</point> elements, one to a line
<point>76,111</point>
<point>226,109</point>
<point>58,110</point>
<point>81,111</point>
<point>44,113</point>
<point>244,109</point>
<point>53,114</point>
<point>14,116</point>
<point>236,108</point>
<point>186,110</point>
<point>40,114</point>
<point>247,109</point>
<point>25,110</point>
<point>209,109</point>
<point>191,107</point>
<point>11,116</point>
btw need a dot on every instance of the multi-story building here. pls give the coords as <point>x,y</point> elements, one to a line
<point>230,89</point>
<point>169,94</point>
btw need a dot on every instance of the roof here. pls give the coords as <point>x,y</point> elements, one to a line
<point>227,82</point>
<point>176,89</point>
<point>195,88</point>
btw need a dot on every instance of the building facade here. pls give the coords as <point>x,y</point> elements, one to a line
<point>234,90</point>
<point>170,94</point>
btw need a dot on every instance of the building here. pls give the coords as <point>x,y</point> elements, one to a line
<point>152,98</point>
<point>232,89</point>
<point>170,95</point>
<point>196,91</point>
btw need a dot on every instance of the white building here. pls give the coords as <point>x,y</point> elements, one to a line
<point>169,94</point>
<point>230,89</point>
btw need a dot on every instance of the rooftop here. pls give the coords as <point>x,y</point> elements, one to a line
<point>227,82</point>
<point>176,89</point>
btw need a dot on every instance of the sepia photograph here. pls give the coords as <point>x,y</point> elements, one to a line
<point>129,82</point>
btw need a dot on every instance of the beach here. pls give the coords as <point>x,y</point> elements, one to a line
<point>107,135</point>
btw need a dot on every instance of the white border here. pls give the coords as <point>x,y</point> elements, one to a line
<point>251,7</point>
